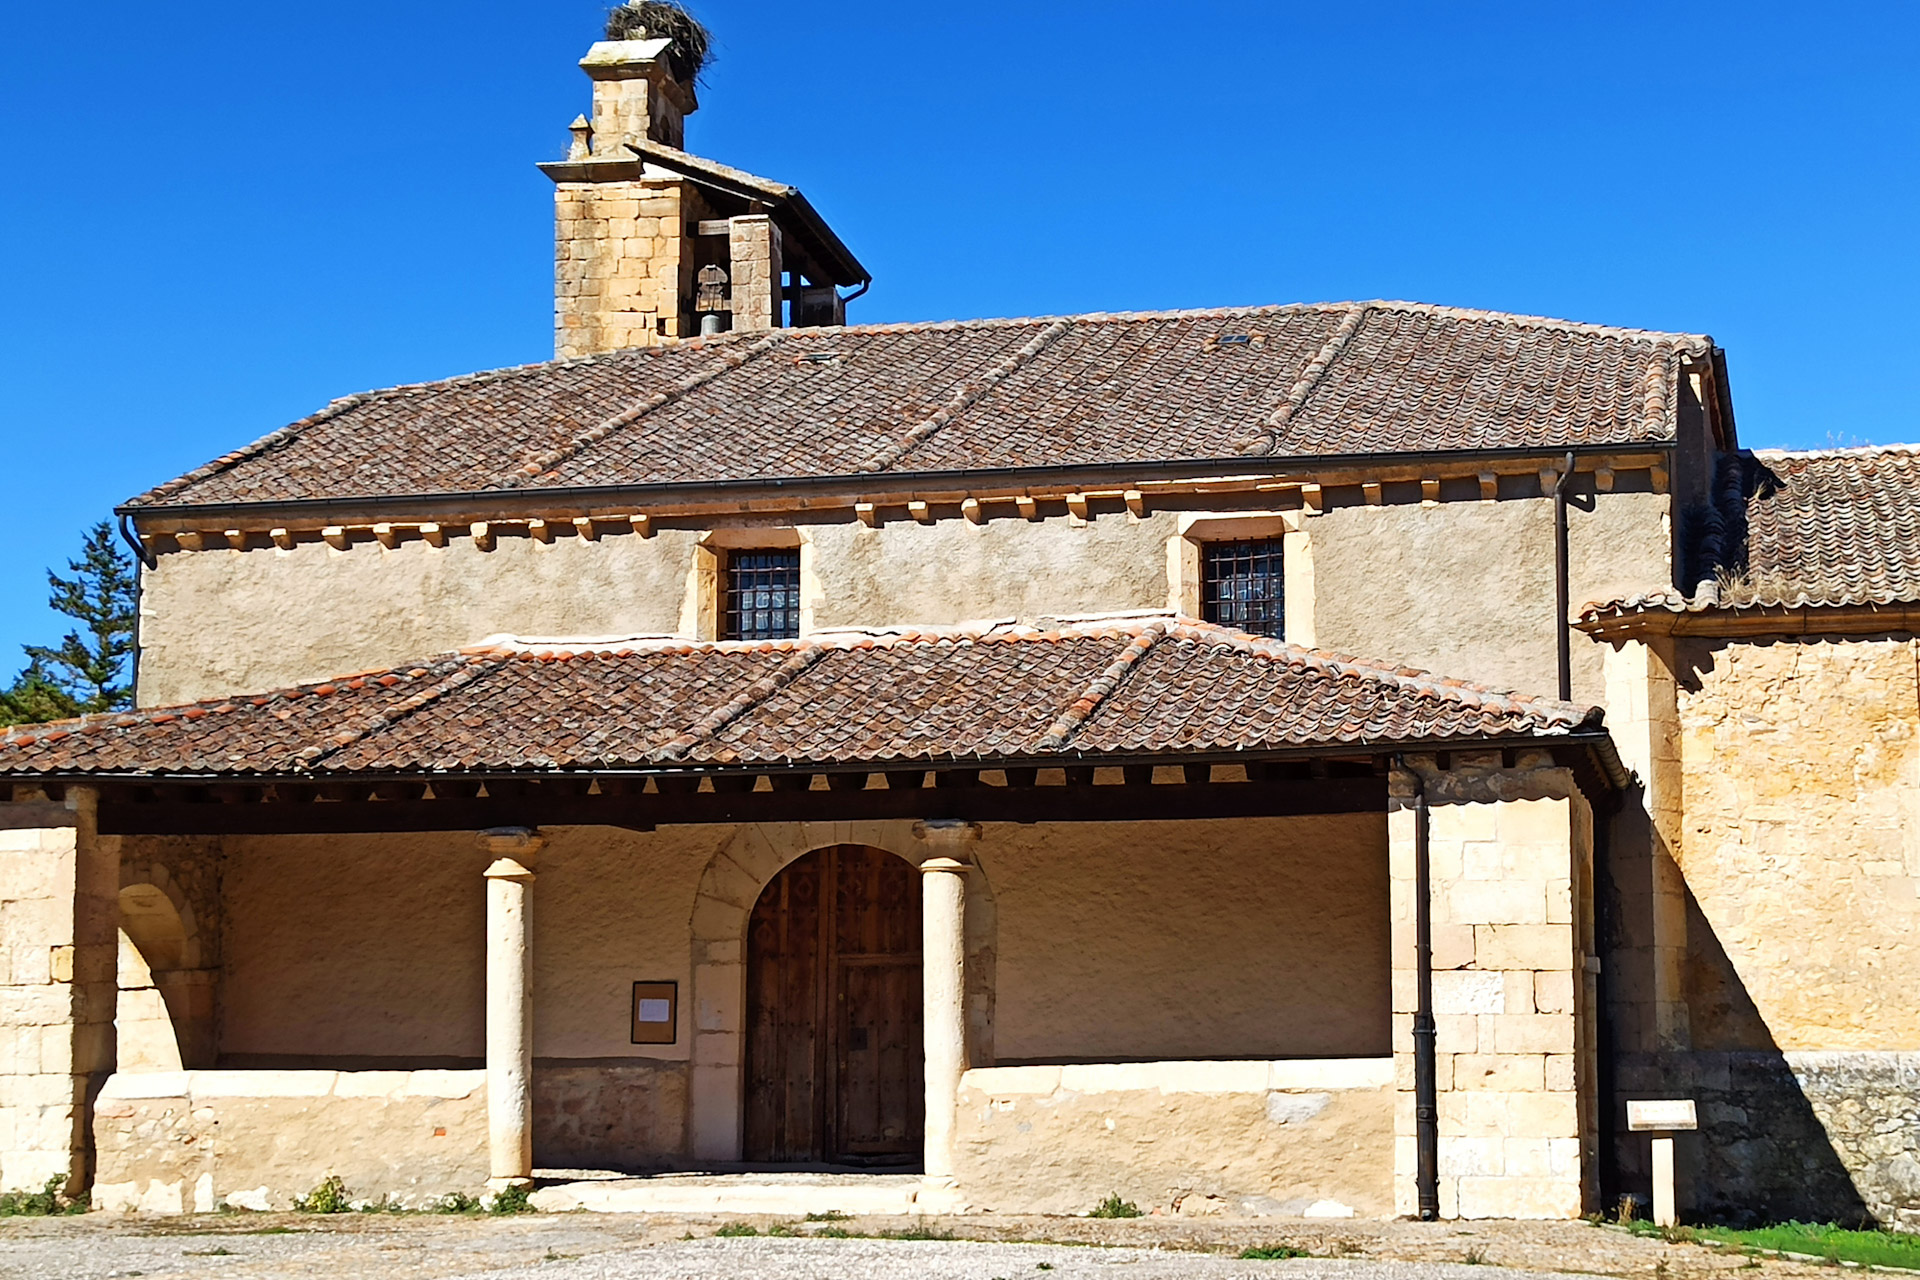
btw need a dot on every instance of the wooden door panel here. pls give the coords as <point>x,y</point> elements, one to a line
<point>879,1092</point>
<point>786,1109</point>
<point>834,1055</point>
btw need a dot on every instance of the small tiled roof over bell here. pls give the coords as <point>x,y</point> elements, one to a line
<point>1100,690</point>
<point>1295,381</point>
<point>1824,529</point>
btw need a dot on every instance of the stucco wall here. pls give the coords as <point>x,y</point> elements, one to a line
<point>1801,762</point>
<point>1467,589</point>
<point>373,947</point>
<point>214,622</point>
<point>1250,939</point>
<point>1243,938</point>
<point>1192,1138</point>
<point>1464,588</point>
<point>955,571</point>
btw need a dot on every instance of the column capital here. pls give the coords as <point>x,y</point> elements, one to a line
<point>950,836</point>
<point>511,842</point>
<point>508,869</point>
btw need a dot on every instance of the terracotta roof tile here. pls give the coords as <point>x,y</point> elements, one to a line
<point>1104,688</point>
<point>1145,388</point>
<point>1829,528</point>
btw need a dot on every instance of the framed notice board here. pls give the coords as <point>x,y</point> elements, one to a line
<point>656,1010</point>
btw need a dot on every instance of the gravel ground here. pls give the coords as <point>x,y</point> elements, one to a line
<point>580,1246</point>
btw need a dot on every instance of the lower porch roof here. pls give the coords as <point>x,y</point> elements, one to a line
<point>661,715</point>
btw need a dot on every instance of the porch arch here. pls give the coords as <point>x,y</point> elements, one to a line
<point>729,886</point>
<point>164,1014</point>
<point>153,944</point>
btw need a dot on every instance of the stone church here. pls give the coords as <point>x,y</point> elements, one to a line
<point>1305,759</point>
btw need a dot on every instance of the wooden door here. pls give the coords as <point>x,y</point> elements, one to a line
<point>834,1065</point>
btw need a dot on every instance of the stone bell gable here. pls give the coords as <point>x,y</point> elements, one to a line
<point>652,243</point>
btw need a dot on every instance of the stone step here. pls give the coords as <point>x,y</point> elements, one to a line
<point>796,1194</point>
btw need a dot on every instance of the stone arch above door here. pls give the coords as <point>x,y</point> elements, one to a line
<point>729,886</point>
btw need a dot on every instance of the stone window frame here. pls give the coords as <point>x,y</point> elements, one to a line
<point>703,611</point>
<point>1186,561</point>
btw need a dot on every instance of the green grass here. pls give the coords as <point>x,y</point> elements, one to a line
<point>737,1229</point>
<point>46,1201</point>
<point>1820,1240</point>
<point>913,1233</point>
<point>1272,1253</point>
<point>1114,1207</point>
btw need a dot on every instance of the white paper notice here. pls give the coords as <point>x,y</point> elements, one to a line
<point>655,1010</point>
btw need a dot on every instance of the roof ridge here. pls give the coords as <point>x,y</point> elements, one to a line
<point>1082,708</point>
<point>1525,320</point>
<point>1267,439</point>
<point>727,363</point>
<point>1849,451</point>
<point>466,672</point>
<point>967,395</point>
<point>746,700</point>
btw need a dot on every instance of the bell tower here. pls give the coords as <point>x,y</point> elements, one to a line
<point>652,243</point>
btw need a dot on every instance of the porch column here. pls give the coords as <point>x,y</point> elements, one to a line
<point>943,960</point>
<point>510,1005</point>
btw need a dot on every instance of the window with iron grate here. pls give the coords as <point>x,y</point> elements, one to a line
<point>763,595</point>
<point>1241,586</point>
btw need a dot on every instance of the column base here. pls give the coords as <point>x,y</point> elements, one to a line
<point>497,1185</point>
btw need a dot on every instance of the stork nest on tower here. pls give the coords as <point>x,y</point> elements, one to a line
<point>661,19</point>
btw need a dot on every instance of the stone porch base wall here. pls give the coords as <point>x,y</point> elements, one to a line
<point>1818,1136</point>
<point>189,1141</point>
<point>1300,1137</point>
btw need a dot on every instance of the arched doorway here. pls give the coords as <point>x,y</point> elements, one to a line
<point>835,1069</point>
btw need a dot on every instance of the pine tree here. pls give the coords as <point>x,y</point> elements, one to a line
<point>83,673</point>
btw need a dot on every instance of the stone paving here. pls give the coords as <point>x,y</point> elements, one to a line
<point>588,1246</point>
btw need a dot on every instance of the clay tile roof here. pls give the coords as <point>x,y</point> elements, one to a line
<point>1141,388</point>
<point>1090,689</point>
<point>1830,528</point>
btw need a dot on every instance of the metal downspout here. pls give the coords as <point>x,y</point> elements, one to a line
<point>1426,1085</point>
<point>1562,631</point>
<point>145,560</point>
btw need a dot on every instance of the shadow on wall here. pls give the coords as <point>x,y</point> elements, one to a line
<point>1762,1153</point>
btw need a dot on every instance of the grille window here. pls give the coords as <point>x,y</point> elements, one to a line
<point>763,595</point>
<point>1242,586</point>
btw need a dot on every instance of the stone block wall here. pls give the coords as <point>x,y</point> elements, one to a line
<point>1510,865</point>
<point>754,250</point>
<point>622,263</point>
<point>191,1141</point>
<point>58,956</point>
<point>1782,913</point>
<point>1248,1138</point>
<point>1807,1136</point>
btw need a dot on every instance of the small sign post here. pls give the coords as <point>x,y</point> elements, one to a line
<point>1663,1118</point>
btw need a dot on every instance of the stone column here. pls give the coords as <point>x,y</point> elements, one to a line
<point>943,961</point>
<point>510,1005</point>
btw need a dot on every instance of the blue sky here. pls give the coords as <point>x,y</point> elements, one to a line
<point>216,217</point>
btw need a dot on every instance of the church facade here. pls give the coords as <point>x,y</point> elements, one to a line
<point>1297,760</point>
